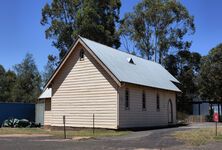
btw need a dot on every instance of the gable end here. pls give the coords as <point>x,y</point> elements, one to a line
<point>68,55</point>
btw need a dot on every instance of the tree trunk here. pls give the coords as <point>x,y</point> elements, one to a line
<point>160,57</point>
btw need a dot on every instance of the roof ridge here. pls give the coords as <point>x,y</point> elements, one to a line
<point>123,51</point>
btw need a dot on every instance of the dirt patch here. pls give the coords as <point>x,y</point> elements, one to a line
<point>51,140</point>
<point>79,138</point>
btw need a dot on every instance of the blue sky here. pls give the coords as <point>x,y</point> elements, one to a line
<point>21,31</point>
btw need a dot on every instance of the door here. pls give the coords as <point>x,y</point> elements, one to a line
<point>170,111</point>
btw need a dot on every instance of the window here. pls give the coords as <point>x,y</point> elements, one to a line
<point>81,55</point>
<point>127,99</point>
<point>170,111</point>
<point>48,105</point>
<point>130,60</point>
<point>144,101</point>
<point>158,102</point>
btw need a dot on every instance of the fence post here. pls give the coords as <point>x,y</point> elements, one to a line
<point>64,123</point>
<point>216,128</point>
<point>93,124</point>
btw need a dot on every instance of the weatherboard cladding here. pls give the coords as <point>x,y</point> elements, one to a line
<point>81,89</point>
<point>135,116</point>
<point>142,72</point>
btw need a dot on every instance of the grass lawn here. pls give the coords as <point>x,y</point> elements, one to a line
<point>198,137</point>
<point>60,134</point>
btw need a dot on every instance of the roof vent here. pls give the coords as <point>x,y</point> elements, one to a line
<point>130,60</point>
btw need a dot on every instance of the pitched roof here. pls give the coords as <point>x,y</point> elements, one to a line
<point>140,72</point>
<point>127,68</point>
<point>47,93</point>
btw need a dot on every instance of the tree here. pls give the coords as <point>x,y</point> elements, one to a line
<point>92,19</point>
<point>210,81</point>
<point>170,64</point>
<point>2,83</point>
<point>10,78</point>
<point>28,83</point>
<point>7,80</point>
<point>188,71</point>
<point>185,66</point>
<point>157,26</point>
<point>49,68</point>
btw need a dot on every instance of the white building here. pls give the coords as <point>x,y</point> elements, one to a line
<point>120,89</point>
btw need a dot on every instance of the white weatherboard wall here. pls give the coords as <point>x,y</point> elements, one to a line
<point>39,113</point>
<point>136,117</point>
<point>80,89</point>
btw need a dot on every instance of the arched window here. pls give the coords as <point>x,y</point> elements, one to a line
<point>81,55</point>
<point>157,102</point>
<point>170,111</point>
<point>126,99</point>
<point>144,101</point>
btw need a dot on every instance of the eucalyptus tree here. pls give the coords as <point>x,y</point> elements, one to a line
<point>93,19</point>
<point>27,87</point>
<point>156,26</point>
<point>210,81</point>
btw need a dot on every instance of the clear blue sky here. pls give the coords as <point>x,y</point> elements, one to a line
<point>21,31</point>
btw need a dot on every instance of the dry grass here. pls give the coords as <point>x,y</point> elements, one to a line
<point>89,133</point>
<point>70,134</point>
<point>4,131</point>
<point>198,137</point>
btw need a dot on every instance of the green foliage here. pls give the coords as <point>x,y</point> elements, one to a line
<point>92,19</point>
<point>10,82</point>
<point>49,68</point>
<point>211,115</point>
<point>210,81</point>
<point>2,83</point>
<point>188,71</point>
<point>12,123</point>
<point>28,82</point>
<point>185,66</point>
<point>157,26</point>
<point>7,80</point>
<point>170,63</point>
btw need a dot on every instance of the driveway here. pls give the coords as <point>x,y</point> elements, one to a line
<point>151,139</point>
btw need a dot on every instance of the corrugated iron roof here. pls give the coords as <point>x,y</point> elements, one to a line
<point>46,94</point>
<point>141,71</point>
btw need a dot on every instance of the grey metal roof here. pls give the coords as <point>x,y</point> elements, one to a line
<point>142,72</point>
<point>46,94</point>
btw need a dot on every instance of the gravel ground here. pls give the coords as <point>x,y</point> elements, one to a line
<point>140,140</point>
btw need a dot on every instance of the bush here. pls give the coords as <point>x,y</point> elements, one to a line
<point>220,118</point>
<point>16,123</point>
<point>181,116</point>
<point>12,123</point>
<point>210,118</point>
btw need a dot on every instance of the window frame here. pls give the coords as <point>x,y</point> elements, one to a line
<point>143,101</point>
<point>127,101</point>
